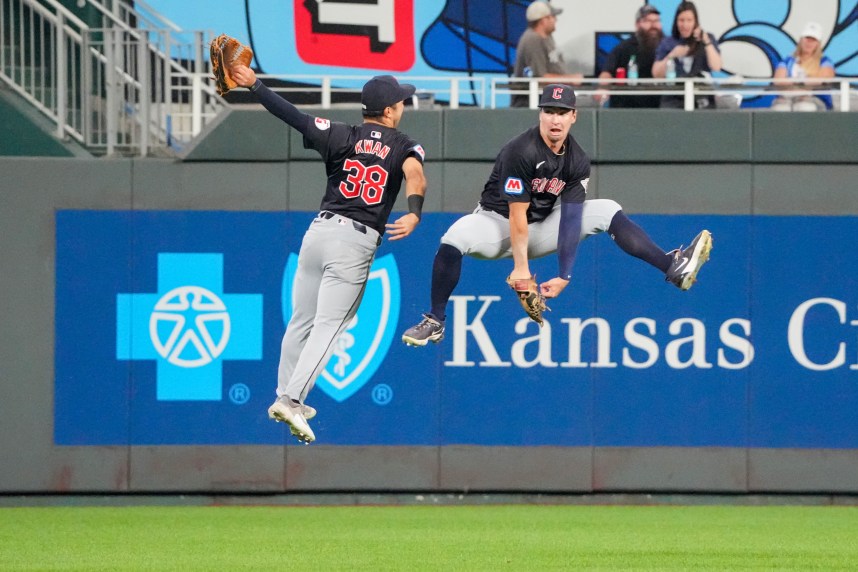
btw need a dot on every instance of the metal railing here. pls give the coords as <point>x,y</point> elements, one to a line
<point>454,91</point>
<point>116,88</point>
<point>841,89</point>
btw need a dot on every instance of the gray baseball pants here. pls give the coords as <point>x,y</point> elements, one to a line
<point>485,234</point>
<point>333,267</point>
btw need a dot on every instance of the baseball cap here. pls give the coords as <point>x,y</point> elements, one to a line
<point>557,95</point>
<point>812,30</point>
<point>645,11</point>
<point>383,91</point>
<point>540,9</point>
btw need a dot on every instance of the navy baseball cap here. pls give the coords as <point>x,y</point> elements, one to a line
<point>383,91</point>
<point>557,95</point>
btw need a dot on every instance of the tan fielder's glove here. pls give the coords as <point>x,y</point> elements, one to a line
<point>529,296</point>
<point>224,53</point>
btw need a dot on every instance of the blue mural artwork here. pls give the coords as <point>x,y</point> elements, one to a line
<point>478,38</point>
<point>474,36</point>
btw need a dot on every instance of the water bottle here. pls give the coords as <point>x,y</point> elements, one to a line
<point>670,74</point>
<point>633,71</point>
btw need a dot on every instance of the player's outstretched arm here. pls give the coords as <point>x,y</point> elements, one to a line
<point>518,235</point>
<point>415,189</point>
<point>275,104</point>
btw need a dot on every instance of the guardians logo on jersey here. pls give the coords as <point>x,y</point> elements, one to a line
<point>362,347</point>
<point>554,186</point>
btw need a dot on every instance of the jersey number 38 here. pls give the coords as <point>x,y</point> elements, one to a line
<point>364,182</point>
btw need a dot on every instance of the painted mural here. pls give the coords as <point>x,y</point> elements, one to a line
<point>478,37</point>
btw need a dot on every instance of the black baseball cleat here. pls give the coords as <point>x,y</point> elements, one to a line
<point>428,330</point>
<point>687,263</point>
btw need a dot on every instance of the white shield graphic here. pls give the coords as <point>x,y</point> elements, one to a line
<point>363,346</point>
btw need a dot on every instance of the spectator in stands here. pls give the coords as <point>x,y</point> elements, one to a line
<point>690,51</point>
<point>807,61</point>
<point>640,47</point>
<point>537,54</point>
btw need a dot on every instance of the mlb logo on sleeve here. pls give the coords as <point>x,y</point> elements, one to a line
<point>513,186</point>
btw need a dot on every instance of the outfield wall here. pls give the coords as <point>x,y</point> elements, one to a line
<point>77,414</point>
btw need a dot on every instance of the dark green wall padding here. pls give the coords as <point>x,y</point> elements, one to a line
<point>609,136</point>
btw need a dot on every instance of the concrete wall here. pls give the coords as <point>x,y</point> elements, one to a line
<point>740,163</point>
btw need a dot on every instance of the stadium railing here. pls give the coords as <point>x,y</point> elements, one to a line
<point>494,92</point>
<point>732,89</point>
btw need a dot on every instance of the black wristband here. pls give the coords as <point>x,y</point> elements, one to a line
<point>255,85</point>
<point>415,205</point>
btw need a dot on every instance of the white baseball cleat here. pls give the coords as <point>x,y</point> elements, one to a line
<point>308,412</point>
<point>285,411</point>
<point>687,263</point>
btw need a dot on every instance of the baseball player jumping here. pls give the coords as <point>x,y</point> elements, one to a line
<point>365,166</point>
<point>519,216</point>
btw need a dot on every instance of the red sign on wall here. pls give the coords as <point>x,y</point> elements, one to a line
<point>355,33</point>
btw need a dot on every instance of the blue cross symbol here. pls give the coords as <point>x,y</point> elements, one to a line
<point>189,327</point>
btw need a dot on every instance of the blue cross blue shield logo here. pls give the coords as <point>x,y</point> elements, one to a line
<point>189,327</point>
<point>362,347</point>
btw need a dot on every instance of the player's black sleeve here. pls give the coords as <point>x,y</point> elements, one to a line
<point>415,150</point>
<point>568,237</point>
<point>281,108</point>
<point>330,139</point>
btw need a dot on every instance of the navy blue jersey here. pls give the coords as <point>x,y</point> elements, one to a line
<point>526,170</point>
<point>364,167</point>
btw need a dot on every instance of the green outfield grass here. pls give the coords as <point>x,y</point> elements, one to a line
<point>515,537</point>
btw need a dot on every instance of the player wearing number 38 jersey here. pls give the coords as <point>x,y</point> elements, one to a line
<point>365,165</point>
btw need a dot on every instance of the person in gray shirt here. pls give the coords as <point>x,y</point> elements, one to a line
<point>537,54</point>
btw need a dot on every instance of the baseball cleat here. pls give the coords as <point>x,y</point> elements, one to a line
<point>283,410</point>
<point>308,412</point>
<point>687,263</point>
<point>428,330</point>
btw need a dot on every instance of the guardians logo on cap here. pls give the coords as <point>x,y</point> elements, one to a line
<point>557,95</point>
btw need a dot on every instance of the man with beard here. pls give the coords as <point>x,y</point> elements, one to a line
<point>642,47</point>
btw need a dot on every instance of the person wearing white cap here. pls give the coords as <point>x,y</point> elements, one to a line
<point>807,61</point>
<point>536,54</point>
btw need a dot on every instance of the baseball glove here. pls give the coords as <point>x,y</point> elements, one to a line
<point>225,52</point>
<point>530,297</point>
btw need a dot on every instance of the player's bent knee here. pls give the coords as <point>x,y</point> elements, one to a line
<point>451,242</point>
<point>600,212</point>
<point>612,207</point>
